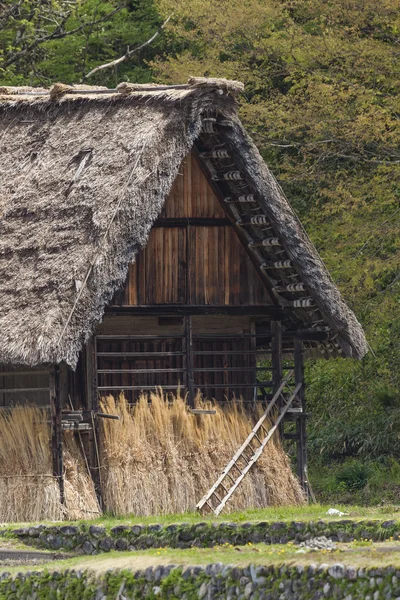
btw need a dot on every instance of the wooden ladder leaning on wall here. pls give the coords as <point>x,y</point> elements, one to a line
<point>236,470</point>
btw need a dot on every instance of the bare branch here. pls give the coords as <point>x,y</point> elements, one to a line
<point>57,34</point>
<point>129,53</point>
<point>386,156</point>
<point>10,12</point>
<point>373,161</point>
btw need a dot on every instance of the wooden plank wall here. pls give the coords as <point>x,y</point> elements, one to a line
<point>191,194</point>
<point>212,383</point>
<point>31,381</point>
<point>220,271</point>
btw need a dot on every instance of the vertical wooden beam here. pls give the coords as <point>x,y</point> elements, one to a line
<point>64,390</point>
<point>276,363</point>
<point>189,359</point>
<point>276,353</point>
<point>253,360</point>
<point>189,266</point>
<point>184,359</point>
<point>187,323</point>
<point>95,391</point>
<point>56,429</point>
<point>88,375</point>
<point>93,406</point>
<point>301,442</point>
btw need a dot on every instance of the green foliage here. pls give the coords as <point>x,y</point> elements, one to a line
<point>353,475</point>
<point>322,103</point>
<point>45,42</point>
<point>387,397</point>
<point>355,405</point>
<point>379,481</point>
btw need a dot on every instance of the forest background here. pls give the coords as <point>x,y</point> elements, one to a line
<point>321,101</point>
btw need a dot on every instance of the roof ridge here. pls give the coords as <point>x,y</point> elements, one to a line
<point>58,90</point>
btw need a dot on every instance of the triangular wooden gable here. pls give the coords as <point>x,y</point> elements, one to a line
<point>220,272</point>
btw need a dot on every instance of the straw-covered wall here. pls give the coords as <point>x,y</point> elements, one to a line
<point>28,491</point>
<point>157,459</point>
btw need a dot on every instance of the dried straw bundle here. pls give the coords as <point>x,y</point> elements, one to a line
<point>28,492</point>
<point>80,496</point>
<point>161,459</point>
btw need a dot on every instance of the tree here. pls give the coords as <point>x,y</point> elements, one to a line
<point>322,102</point>
<point>43,41</point>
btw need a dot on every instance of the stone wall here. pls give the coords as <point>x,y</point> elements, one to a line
<point>213,582</point>
<point>92,539</point>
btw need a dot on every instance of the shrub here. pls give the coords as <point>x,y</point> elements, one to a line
<point>353,475</point>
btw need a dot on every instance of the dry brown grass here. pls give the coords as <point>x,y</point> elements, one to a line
<point>28,492</point>
<point>161,459</point>
<point>157,459</point>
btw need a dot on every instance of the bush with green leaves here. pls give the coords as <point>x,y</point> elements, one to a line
<point>353,475</point>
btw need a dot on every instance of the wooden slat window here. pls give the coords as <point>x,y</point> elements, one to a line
<point>22,385</point>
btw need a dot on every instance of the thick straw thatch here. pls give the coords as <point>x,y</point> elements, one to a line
<point>157,459</point>
<point>28,490</point>
<point>83,177</point>
<point>161,459</point>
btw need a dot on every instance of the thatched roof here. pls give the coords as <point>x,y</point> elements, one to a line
<point>84,175</point>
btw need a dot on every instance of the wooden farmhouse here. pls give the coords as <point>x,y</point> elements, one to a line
<point>145,243</point>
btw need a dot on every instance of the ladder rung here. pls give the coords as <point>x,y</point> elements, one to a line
<point>245,458</point>
<point>227,176</point>
<point>280,264</point>
<point>257,438</point>
<point>247,444</point>
<point>292,287</point>
<point>217,497</point>
<point>215,154</point>
<point>303,303</point>
<point>231,478</point>
<point>254,220</point>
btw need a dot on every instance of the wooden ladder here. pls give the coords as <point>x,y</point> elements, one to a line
<point>233,473</point>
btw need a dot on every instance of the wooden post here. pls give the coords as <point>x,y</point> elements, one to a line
<point>301,441</point>
<point>88,375</point>
<point>189,359</point>
<point>276,363</point>
<point>188,324</point>
<point>95,391</point>
<point>56,429</point>
<point>93,406</point>
<point>253,360</point>
<point>276,353</point>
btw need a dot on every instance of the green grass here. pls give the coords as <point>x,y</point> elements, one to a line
<point>309,512</point>
<point>368,555</point>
